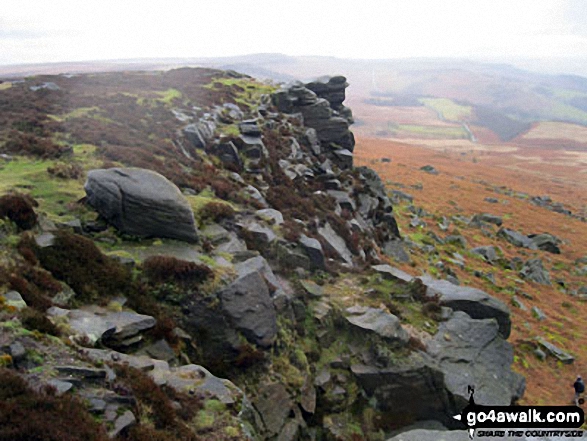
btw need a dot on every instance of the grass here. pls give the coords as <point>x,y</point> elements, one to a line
<point>30,175</point>
<point>252,89</point>
<point>566,112</point>
<point>5,86</point>
<point>80,112</point>
<point>198,202</point>
<point>447,109</point>
<point>432,131</point>
<point>169,95</point>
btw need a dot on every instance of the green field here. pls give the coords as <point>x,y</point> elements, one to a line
<point>447,109</point>
<point>435,132</point>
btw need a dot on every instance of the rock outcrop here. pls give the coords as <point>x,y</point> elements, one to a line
<point>320,104</point>
<point>141,203</point>
<point>478,304</point>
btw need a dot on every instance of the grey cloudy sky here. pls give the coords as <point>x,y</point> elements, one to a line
<point>34,31</point>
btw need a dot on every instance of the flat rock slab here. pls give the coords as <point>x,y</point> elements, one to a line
<point>390,273</point>
<point>381,323</point>
<point>559,354</point>
<point>478,304</point>
<point>141,202</point>
<point>101,324</point>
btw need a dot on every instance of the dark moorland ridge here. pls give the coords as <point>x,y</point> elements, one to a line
<point>192,254</point>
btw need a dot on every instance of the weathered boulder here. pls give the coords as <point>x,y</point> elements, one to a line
<point>478,304</point>
<point>99,324</point>
<point>516,238</point>
<point>335,243</point>
<point>379,322</point>
<point>474,352</point>
<point>487,218</point>
<point>533,270</point>
<point>270,215</point>
<point>396,250</point>
<point>556,352</point>
<point>489,253</point>
<point>249,307</point>
<point>141,202</point>
<point>411,390</point>
<point>259,265</point>
<point>200,133</point>
<point>546,242</point>
<point>227,153</point>
<point>313,249</point>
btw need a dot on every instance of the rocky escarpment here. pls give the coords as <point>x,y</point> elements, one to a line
<point>320,104</point>
<point>287,294</point>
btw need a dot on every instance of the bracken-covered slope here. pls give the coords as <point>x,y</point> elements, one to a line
<point>194,254</point>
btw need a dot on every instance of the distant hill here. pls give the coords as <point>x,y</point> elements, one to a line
<point>504,99</point>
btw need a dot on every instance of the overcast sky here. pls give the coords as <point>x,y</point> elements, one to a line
<point>34,31</point>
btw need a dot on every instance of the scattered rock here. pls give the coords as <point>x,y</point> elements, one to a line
<point>314,290</point>
<point>14,299</point>
<point>141,202</point>
<point>545,242</point>
<point>489,253</point>
<point>396,250</point>
<point>538,313</point>
<point>516,238</point>
<point>429,169</point>
<point>274,404</point>
<point>487,218</point>
<point>61,387</point>
<point>559,354</point>
<point>99,324</point>
<point>533,270</point>
<point>518,303</point>
<point>270,215</point>
<point>122,424</point>
<point>456,240</point>
<point>382,323</point>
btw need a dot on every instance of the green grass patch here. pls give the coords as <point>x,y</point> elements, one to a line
<point>251,89</point>
<point>447,109</point>
<point>5,86</point>
<point>432,131</point>
<point>169,95</point>
<point>29,175</point>
<point>80,112</point>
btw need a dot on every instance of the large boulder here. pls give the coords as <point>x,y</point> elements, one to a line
<point>534,270</point>
<point>141,202</point>
<point>248,306</point>
<point>412,389</point>
<point>473,352</point>
<point>478,304</point>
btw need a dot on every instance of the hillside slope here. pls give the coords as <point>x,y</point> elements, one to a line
<point>194,254</point>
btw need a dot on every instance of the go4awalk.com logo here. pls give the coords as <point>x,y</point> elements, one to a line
<point>518,421</point>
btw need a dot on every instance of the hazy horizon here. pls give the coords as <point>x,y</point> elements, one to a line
<point>540,35</point>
